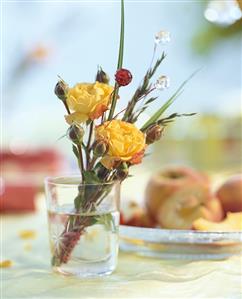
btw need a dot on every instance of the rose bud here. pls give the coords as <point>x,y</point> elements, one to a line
<point>61,89</point>
<point>75,133</point>
<point>123,77</point>
<point>102,77</point>
<point>100,148</point>
<point>153,134</point>
<point>122,172</point>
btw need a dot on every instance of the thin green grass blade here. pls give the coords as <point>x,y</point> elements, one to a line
<point>120,62</point>
<point>121,42</point>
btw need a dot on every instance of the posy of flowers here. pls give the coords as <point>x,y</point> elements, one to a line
<point>107,142</point>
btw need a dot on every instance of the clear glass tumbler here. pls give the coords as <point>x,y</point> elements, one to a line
<point>83,226</point>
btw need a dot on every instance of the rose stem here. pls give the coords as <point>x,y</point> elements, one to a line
<point>90,135</point>
<point>81,160</point>
<point>78,146</point>
<point>89,142</point>
<point>119,113</point>
<point>67,108</point>
<point>91,164</point>
<point>66,251</point>
<point>114,101</point>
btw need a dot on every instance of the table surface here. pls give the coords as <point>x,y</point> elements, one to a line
<point>136,277</point>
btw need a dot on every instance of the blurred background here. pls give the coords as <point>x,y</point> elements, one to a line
<point>43,40</point>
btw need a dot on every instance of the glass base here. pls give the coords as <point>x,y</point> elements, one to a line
<point>84,269</point>
<point>83,226</point>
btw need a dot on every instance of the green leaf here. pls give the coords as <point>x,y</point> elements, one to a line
<point>172,117</point>
<point>120,62</point>
<point>61,137</point>
<point>92,220</point>
<point>159,112</point>
<point>130,176</point>
<point>90,177</point>
<point>55,261</point>
<point>71,220</point>
<point>106,220</point>
<point>77,201</point>
<point>150,100</point>
<point>155,117</point>
<point>75,151</point>
<point>84,146</point>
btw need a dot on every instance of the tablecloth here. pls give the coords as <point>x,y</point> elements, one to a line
<point>136,277</point>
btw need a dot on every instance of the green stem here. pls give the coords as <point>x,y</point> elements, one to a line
<point>120,62</point>
<point>90,135</point>
<point>78,145</point>
<point>87,149</point>
<point>81,160</point>
<point>92,163</point>
<point>67,108</point>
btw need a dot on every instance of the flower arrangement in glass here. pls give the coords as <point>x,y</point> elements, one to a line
<point>83,211</point>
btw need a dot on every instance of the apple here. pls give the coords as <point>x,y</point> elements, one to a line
<point>230,194</point>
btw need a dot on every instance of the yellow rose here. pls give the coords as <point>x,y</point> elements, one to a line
<point>87,101</point>
<point>126,142</point>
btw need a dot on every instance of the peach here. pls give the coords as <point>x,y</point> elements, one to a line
<point>141,220</point>
<point>230,194</point>
<point>163,187</point>
<point>214,210</point>
<point>233,222</point>
<point>180,210</point>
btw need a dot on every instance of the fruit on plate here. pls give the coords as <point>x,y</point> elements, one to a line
<point>232,222</point>
<point>141,220</point>
<point>176,196</point>
<point>230,194</point>
<point>167,182</point>
<point>134,215</point>
<point>214,210</point>
<point>186,205</point>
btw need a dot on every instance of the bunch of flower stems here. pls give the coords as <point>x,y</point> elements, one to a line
<point>96,176</point>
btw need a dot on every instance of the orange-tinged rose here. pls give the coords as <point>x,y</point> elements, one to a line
<point>87,101</point>
<point>126,142</point>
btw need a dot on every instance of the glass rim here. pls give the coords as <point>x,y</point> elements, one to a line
<point>53,180</point>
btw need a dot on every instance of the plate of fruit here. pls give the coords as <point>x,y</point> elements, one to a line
<point>183,217</point>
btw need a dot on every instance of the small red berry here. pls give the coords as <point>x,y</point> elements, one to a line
<point>123,77</point>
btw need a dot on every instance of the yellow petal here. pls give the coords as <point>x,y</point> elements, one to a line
<point>108,162</point>
<point>76,117</point>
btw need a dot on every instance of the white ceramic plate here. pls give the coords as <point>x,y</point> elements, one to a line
<point>180,244</point>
